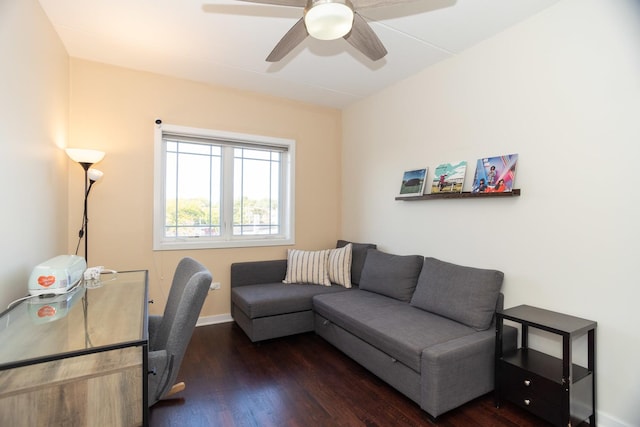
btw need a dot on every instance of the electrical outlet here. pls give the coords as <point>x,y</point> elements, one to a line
<point>214,286</point>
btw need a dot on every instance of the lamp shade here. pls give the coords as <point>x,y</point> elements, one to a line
<point>329,20</point>
<point>82,155</point>
<point>94,174</point>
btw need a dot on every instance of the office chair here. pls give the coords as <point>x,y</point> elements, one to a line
<point>170,333</point>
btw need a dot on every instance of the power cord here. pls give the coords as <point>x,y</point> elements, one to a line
<point>71,289</point>
<point>91,278</point>
<point>14,302</point>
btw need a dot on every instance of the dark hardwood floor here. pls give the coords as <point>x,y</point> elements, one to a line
<point>299,381</point>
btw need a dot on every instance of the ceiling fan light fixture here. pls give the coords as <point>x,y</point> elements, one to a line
<point>329,20</point>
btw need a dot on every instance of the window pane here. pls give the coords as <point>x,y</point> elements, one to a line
<point>256,174</point>
<point>275,192</point>
<point>256,154</point>
<point>193,190</point>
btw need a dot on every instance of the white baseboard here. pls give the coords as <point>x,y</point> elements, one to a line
<point>212,320</point>
<point>606,420</point>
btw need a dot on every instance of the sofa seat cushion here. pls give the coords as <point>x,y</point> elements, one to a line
<point>392,326</point>
<point>277,298</point>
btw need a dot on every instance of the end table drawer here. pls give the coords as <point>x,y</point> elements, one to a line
<point>515,378</point>
<point>550,411</point>
<point>532,392</point>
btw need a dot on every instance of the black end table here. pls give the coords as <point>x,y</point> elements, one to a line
<point>556,390</point>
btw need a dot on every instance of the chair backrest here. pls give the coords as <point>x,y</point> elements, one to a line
<point>189,289</point>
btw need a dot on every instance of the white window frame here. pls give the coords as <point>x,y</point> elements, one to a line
<point>227,239</point>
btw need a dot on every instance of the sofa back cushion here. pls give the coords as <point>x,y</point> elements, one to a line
<point>465,294</point>
<point>358,256</point>
<point>395,276</point>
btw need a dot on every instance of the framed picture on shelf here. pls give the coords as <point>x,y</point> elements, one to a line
<point>495,174</point>
<point>413,182</point>
<point>449,178</point>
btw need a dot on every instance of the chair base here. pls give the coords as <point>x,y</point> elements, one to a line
<point>176,388</point>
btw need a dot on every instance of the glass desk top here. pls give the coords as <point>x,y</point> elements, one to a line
<point>96,316</point>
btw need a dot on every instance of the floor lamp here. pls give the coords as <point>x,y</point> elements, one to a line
<point>86,158</point>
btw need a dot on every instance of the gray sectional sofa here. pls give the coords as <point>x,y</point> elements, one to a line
<point>423,325</point>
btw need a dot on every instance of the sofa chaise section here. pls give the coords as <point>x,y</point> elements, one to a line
<point>266,308</point>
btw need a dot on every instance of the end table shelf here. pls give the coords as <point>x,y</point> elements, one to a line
<point>542,364</point>
<point>464,195</point>
<point>557,390</point>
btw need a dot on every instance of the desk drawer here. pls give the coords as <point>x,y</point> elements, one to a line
<point>532,392</point>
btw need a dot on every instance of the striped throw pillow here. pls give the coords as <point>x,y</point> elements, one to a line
<point>339,266</point>
<point>308,267</point>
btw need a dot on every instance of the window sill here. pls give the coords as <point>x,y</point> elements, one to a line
<point>193,244</point>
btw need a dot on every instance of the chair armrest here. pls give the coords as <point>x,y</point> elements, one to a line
<point>154,325</point>
<point>157,361</point>
<point>257,272</point>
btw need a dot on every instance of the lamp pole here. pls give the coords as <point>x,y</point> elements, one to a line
<point>85,230</point>
<point>86,158</point>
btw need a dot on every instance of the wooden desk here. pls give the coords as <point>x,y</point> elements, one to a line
<point>78,359</point>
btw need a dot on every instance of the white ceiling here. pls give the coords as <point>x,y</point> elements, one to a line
<point>225,42</point>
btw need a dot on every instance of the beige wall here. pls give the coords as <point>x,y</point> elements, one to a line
<point>113,109</point>
<point>34,85</point>
<point>563,90</point>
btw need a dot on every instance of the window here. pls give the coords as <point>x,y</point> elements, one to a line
<point>217,189</point>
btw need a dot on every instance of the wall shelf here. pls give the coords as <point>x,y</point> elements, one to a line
<point>464,195</point>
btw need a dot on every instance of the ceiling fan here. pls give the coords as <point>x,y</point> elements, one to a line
<point>329,20</point>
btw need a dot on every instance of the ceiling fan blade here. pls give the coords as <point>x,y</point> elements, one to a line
<point>367,4</point>
<point>293,3</point>
<point>293,38</point>
<point>363,38</point>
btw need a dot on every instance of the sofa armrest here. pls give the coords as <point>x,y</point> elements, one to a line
<point>257,272</point>
<point>459,370</point>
